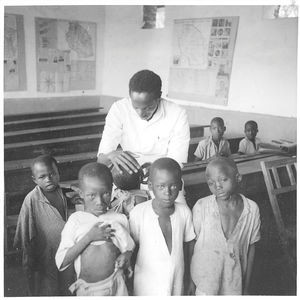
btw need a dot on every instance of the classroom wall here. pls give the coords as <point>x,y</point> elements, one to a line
<point>14,102</point>
<point>264,72</point>
<point>263,79</point>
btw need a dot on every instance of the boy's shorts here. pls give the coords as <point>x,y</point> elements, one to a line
<point>114,285</point>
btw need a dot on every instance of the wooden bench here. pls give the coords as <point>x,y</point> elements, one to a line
<point>19,117</point>
<point>53,132</point>
<point>54,121</point>
<point>65,145</point>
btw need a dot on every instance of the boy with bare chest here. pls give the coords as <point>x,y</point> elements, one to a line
<point>96,240</point>
<point>227,226</point>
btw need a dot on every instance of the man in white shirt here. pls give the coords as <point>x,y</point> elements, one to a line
<point>146,126</point>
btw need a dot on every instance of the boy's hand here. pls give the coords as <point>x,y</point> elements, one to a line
<point>100,232</point>
<point>190,288</point>
<point>123,260</point>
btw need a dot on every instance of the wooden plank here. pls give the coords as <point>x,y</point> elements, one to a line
<point>19,117</point>
<point>291,175</point>
<point>52,121</point>
<point>53,132</point>
<point>276,177</point>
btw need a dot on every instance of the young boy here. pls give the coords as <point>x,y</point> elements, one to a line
<point>164,231</point>
<point>41,220</point>
<point>249,144</point>
<point>96,240</point>
<point>214,144</point>
<point>227,225</point>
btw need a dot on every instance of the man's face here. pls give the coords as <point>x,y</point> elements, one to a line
<point>46,177</point>
<point>96,194</point>
<point>145,104</point>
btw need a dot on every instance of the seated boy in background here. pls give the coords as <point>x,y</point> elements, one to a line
<point>164,231</point>
<point>96,240</point>
<point>249,144</point>
<point>214,144</point>
<point>227,225</point>
<point>41,220</point>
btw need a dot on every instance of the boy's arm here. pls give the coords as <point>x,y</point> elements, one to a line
<point>188,248</point>
<point>28,269</point>
<point>96,233</point>
<point>250,260</point>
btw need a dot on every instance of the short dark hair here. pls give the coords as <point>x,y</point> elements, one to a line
<point>217,120</point>
<point>165,163</point>
<point>45,159</point>
<point>225,161</point>
<point>97,170</point>
<point>145,81</point>
<point>251,123</point>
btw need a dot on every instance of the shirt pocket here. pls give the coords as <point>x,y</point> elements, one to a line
<point>162,144</point>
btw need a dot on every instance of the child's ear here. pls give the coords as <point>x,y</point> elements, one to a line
<point>238,178</point>
<point>224,128</point>
<point>180,185</point>
<point>80,193</point>
<point>33,179</point>
<point>150,186</point>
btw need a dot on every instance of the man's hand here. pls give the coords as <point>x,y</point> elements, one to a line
<point>125,159</point>
<point>123,260</point>
<point>100,232</point>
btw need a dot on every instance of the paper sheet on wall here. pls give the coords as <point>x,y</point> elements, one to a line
<point>14,53</point>
<point>202,59</point>
<point>66,55</point>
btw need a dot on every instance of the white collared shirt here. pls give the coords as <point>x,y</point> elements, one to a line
<point>247,147</point>
<point>167,133</point>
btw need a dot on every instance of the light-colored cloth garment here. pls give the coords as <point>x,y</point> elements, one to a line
<point>38,235</point>
<point>219,264</point>
<point>166,134</point>
<point>247,147</point>
<point>114,285</point>
<point>81,222</point>
<point>207,148</point>
<point>157,272</point>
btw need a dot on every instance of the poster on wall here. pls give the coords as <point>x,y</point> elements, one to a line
<point>14,53</point>
<point>202,59</point>
<point>66,55</point>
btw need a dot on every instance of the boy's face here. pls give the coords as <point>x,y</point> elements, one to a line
<point>217,130</point>
<point>96,194</point>
<point>46,177</point>
<point>165,186</point>
<point>222,181</point>
<point>145,104</point>
<point>251,131</point>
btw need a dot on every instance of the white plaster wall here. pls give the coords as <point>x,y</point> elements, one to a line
<point>263,78</point>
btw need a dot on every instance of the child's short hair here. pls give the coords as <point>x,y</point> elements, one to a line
<point>222,160</point>
<point>145,81</point>
<point>251,123</point>
<point>217,120</point>
<point>97,170</point>
<point>45,159</point>
<point>165,163</point>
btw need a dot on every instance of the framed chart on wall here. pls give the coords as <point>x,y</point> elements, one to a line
<point>14,53</point>
<point>202,59</point>
<point>66,55</point>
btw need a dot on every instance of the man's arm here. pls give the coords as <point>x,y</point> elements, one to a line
<point>250,261</point>
<point>111,138</point>
<point>188,249</point>
<point>179,143</point>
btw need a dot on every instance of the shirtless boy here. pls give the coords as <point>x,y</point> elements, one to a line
<point>96,240</point>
